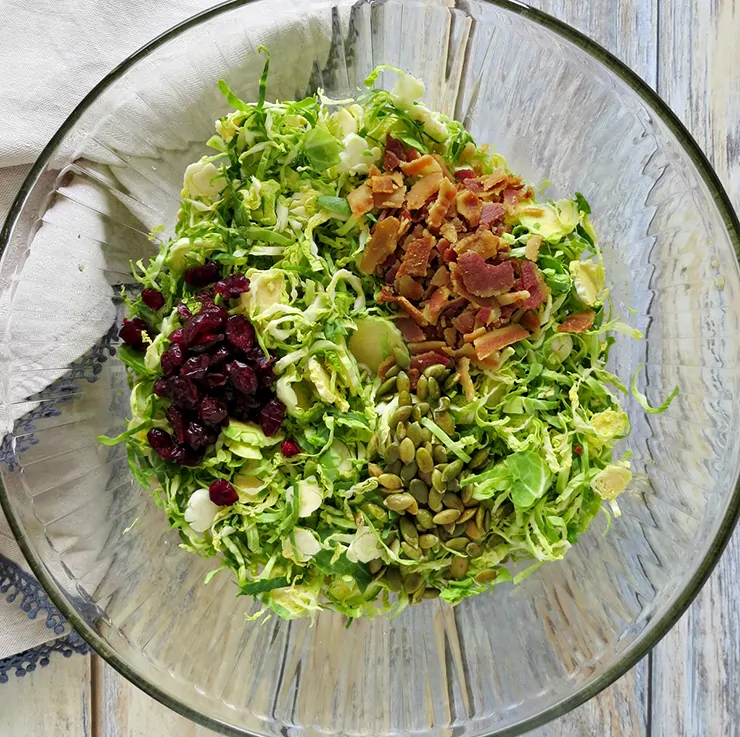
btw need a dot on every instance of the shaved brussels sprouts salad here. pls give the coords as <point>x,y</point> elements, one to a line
<point>369,367</point>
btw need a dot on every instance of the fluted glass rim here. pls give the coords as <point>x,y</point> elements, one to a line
<point>658,628</point>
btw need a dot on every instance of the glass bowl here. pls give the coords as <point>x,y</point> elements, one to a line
<point>559,107</point>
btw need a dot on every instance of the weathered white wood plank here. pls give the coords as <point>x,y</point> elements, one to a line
<point>696,668</point>
<point>50,702</point>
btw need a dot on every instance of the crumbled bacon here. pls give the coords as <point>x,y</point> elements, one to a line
<point>383,183</point>
<point>425,346</point>
<point>483,279</point>
<point>490,213</point>
<point>393,200</point>
<point>445,197</point>
<point>532,249</point>
<point>493,180</point>
<point>411,154</point>
<point>361,200</point>
<point>465,321</point>
<point>495,340</point>
<point>437,304</point>
<point>463,174</point>
<point>463,369</point>
<point>531,321</point>
<point>578,322</point>
<point>431,358</point>
<point>511,198</point>
<point>414,378</point>
<point>473,184</point>
<point>386,366</point>
<point>382,244</point>
<point>411,332</point>
<point>407,287</point>
<point>482,242</point>
<point>423,189</point>
<point>393,153</point>
<point>531,282</point>
<point>469,206</point>
<point>420,167</point>
<point>449,231</point>
<point>441,276</point>
<point>416,259</point>
<point>461,289</point>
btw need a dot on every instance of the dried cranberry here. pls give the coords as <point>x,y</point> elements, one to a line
<point>207,342</point>
<point>160,440</point>
<point>215,379</point>
<point>272,416</point>
<point>181,390</point>
<point>132,333</point>
<point>240,333</point>
<point>220,354</point>
<point>201,276</point>
<point>153,299</point>
<point>195,367</point>
<point>178,422</point>
<point>266,379</point>
<point>213,309</point>
<point>176,336</point>
<point>212,412</point>
<point>196,435</point>
<point>578,449</point>
<point>205,297</point>
<point>232,286</point>
<point>172,359</point>
<point>260,360</point>
<point>185,456</point>
<point>183,311</point>
<point>222,493</point>
<point>289,448</point>
<point>201,328</point>
<point>242,377</point>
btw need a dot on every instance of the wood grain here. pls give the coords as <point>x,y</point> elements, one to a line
<point>696,669</point>
<point>53,701</point>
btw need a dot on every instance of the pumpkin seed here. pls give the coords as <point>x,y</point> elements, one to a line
<point>467,495</point>
<point>457,544</point>
<point>433,389</point>
<point>424,460</point>
<point>406,450</point>
<point>374,470</point>
<point>425,477</point>
<point>421,388</point>
<point>469,513</point>
<point>452,501</point>
<point>391,453</point>
<point>428,541</point>
<point>440,454</point>
<point>372,448</point>
<point>451,380</point>
<point>410,551</point>
<point>473,531</point>
<point>435,371</point>
<point>424,520</point>
<point>400,414</point>
<point>437,481</point>
<point>403,383</point>
<point>395,546</point>
<point>394,467</point>
<point>452,470</point>
<point>393,579</point>
<point>413,581</point>
<point>376,511</point>
<point>399,502</point>
<point>390,481</point>
<point>473,549</point>
<point>403,360</point>
<point>408,472</point>
<point>435,500</point>
<point>424,408</point>
<point>479,458</point>
<point>453,485</point>
<point>426,435</point>
<point>445,421</point>
<point>416,414</point>
<point>459,567</point>
<point>400,431</point>
<point>404,399</point>
<point>375,565</point>
<point>409,531</point>
<point>413,431</point>
<point>388,386</point>
<point>419,490</point>
<point>486,575</point>
<point>445,517</point>
<point>430,593</point>
<point>479,517</point>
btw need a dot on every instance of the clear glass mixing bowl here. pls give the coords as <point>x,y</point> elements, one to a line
<point>558,107</point>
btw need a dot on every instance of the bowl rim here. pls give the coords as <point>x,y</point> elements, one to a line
<point>652,635</point>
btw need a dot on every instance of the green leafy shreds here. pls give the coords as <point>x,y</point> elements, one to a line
<point>312,532</point>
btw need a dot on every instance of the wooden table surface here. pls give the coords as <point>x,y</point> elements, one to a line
<point>689,686</point>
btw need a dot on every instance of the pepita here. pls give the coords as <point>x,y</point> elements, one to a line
<point>467,495</point>
<point>395,547</point>
<point>445,517</point>
<point>451,380</point>
<point>375,565</point>
<point>445,422</point>
<point>376,511</point>
<point>435,500</point>
<point>424,408</point>
<point>473,549</point>
<point>390,481</point>
<point>459,567</point>
<point>400,414</point>
<point>403,360</point>
<point>479,517</point>
<point>452,470</point>
<point>467,514</point>
<point>421,388</point>
<point>388,386</point>
<point>404,399</point>
<point>437,480</point>
<point>453,485</point>
<point>403,383</point>
<point>424,460</point>
<point>479,458</point>
<point>400,431</point>
<point>424,520</point>
<point>372,448</point>
<point>426,435</point>
<point>433,389</point>
<point>435,371</point>
<point>408,531</point>
<point>452,501</point>
<point>408,472</point>
<point>412,582</point>
<point>458,544</point>
<point>431,593</point>
<point>413,432</point>
<point>440,454</point>
<point>472,530</point>
<point>486,575</point>
<point>374,470</point>
<point>428,541</point>
<point>399,502</point>
<point>419,490</point>
<point>394,467</point>
<point>391,453</point>
<point>393,579</point>
<point>406,450</point>
<point>425,477</point>
<point>410,551</point>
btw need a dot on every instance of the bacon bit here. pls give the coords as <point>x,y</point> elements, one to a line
<point>492,362</point>
<point>512,198</point>
<point>420,167</point>
<point>441,277</point>
<point>463,368</point>
<point>450,335</point>
<point>411,332</point>
<point>392,201</point>
<point>394,154</point>
<point>484,315</point>
<point>469,206</point>
<point>408,288</point>
<point>531,321</point>
<point>578,449</point>
<point>382,244</point>
<point>532,249</point>
<point>495,340</point>
<point>414,375</point>
<point>437,304</point>
<point>443,166</point>
<point>465,321</point>
<point>578,322</point>
<point>445,197</point>
<point>459,286</point>
<point>511,298</point>
<point>390,161</point>
<point>531,282</point>
<point>373,171</point>
<point>361,200</point>
<point>483,279</point>
<point>416,259</point>
<point>489,181</point>
<point>470,337</point>
<point>431,358</point>
<point>449,231</point>
<point>386,366</point>
<point>425,346</point>
<point>490,213</point>
<point>411,154</point>
<point>382,183</point>
<point>390,275</point>
<point>482,242</point>
<point>462,174</point>
<point>466,350</point>
<point>473,185</point>
<point>414,312</point>
<point>423,189</point>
